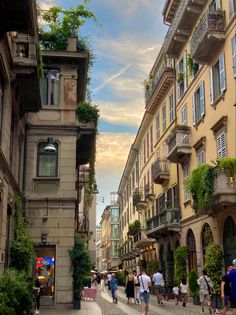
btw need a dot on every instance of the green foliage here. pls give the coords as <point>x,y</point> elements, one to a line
<point>152,266</point>
<point>121,277</point>
<point>81,264</point>
<point>192,67</point>
<point>200,185</point>
<point>214,260</point>
<point>59,24</point>
<point>169,271</point>
<point>180,77</point>
<point>192,282</point>
<point>135,225</point>
<point>180,257</point>
<point>21,251</point>
<point>15,293</point>
<point>227,165</point>
<point>86,112</point>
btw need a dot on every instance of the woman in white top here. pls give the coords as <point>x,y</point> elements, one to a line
<point>184,291</point>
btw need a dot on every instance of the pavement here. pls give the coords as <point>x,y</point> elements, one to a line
<point>104,306</point>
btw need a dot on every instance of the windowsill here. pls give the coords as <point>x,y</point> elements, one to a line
<point>46,178</point>
<point>201,120</point>
<point>51,107</point>
<point>187,202</point>
<point>218,99</point>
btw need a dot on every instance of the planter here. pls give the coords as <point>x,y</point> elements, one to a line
<point>216,301</point>
<point>196,300</point>
<point>77,304</point>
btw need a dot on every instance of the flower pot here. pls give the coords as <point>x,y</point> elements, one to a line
<point>77,304</point>
<point>196,300</point>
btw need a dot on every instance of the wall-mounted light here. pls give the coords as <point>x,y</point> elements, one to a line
<point>44,237</point>
<point>50,147</point>
<point>95,189</point>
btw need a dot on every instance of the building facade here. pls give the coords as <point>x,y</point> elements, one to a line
<point>189,120</point>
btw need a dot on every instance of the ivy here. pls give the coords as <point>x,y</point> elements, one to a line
<point>135,225</point>
<point>180,265</point>
<point>192,281</point>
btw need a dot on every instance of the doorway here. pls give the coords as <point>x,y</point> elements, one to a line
<point>45,271</point>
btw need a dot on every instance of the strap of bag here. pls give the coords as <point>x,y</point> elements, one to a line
<point>142,283</point>
<point>208,287</point>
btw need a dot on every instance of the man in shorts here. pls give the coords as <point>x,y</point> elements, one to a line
<point>225,290</point>
<point>232,280</point>
<point>145,283</point>
<point>205,284</point>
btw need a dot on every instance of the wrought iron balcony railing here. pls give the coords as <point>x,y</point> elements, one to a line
<point>168,219</point>
<point>160,171</point>
<point>179,144</point>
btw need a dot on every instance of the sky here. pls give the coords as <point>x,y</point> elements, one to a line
<point>125,45</point>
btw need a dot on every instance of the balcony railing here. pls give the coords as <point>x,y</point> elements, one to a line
<point>24,50</point>
<point>179,144</point>
<point>224,188</point>
<point>139,200</point>
<point>165,221</point>
<point>161,81</point>
<point>149,192</point>
<point>185,18</point>
<point>210,32</point>
<point>160,171</point>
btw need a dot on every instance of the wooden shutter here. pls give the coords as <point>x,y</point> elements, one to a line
<point>178,85</point>
<point>202,99</point>
<point>212,97</point>
<point>193,110</point>
<point>185,70</point>
<point>234,54</point>
<point>222,72</point>
<point>221,145</point>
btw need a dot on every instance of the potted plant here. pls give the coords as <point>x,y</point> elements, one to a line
<point>180,77</point>
<point>180,257</point>
<point>193,286</point>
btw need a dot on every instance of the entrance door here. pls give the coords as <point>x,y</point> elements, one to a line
<point>45,271</point>
<point>229,240</point>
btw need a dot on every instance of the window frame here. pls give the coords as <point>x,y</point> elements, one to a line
<point>184,113</point>
<point>47,154</point>
<point>221,148</point>
<point>164,124</point>
<point>158,132</point>
<point>48,92</point>
<point>233,44</point>
<point>186,174</point>
<point>171,107</point>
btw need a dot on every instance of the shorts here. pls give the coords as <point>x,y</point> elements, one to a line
<point>158,289</point>
<point>233,301</point>
<point>227,301</point>
<point>205,298</point>
<point>144,297</point>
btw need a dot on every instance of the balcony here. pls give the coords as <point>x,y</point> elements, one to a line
<point>24,51</point>
<point>224,191</point>
<point>84,144</point>
<point>182,25</point>
<point>179,144</point>
<point>160,171</point>
<point>141,241</point>
<point>166,221</point>
<point>149,192</point>
<point>209,33</point>
<point>139,200</point>
<point>157,87</point>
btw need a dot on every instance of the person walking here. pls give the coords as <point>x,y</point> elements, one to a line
<point>129,286</point>
<point>37,289</point>
<point>145,283</point>
<point>102,284</point>
<point>205,286</point>
<point>184,291</point>
<point>176,293</point>
<point>113,286</point>
<point>159,284</point>
<point>225,291</point>
<point>109,276</point>
<point>136,286</point>
<point>232,280</point>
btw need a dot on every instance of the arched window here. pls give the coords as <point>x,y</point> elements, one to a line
<point>47,165</point>
<point>191,246</point>
<point>207,237</point>
<point>229,240</point>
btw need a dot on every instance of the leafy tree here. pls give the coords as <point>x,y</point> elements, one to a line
<point>180,257</point>
<point>81,264</point>
<point>193,285</point>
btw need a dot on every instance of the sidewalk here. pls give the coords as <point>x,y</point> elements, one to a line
<point>87,308</point>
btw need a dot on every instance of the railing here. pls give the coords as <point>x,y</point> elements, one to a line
<point>166,217</point>
<point>165,65</point>
<point>148,190</point>
<point>24,49</point>
<point>179,138</point>
<point>172,29</point>
<point>138,196</point>
<point>224,183</point>
<point>210,22</point>
<point>160,166</point>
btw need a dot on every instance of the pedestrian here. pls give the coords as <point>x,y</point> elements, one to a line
<point>109,276</point>
<point>113,286</point>
<point>205,286</point>
<point>232,280</point>
<point>136,286</point>
<point>102,283</point>
<point>129,285</point>
<point>225,290</point>
<point>184,290</point>
<point>159,285</point>
<point>37,289</point>
<point>145,283</point>
<point>176,293</point>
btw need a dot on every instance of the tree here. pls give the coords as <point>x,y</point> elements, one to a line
<point>180,257</point>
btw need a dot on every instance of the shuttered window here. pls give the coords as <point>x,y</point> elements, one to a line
<point>172,110</point>
<point>164,117</point>
<point>221,145</point>
<point>184,115</point>
<point>217,78</point>
<point>201,156</point>
<point>186,175</point>
<point>232,7</point>
<point>198,106</point>
<point>158,126</point>
<point>234,55</point>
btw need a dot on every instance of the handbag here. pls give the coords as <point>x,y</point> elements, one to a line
<point>210,290</point>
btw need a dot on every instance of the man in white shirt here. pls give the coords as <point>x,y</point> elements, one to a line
<point>159,284</point>
<point>145,283</point>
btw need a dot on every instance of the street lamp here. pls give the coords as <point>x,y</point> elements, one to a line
<point>50,147</point>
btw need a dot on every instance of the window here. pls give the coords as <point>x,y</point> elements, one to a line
<point>184,115</point>
<point>144,151</point>
<point>201,156</point>
<point>164,117</point>
<point>1,105</point>
<point>186,175</point>
<point>182,75</point>
<point>47,161</point>
<point>198,105</point>
<point>215,5</point>
<point>114,231</point>
<point>172,110</point>
<point>232,7</point>
<point>151,138</point>
<point>115,215</point>
<point>50,87</point>
<point>217,78</point>
<point>158,126</point>
<point>147,145</point>
<point>234,54</point>
<point>221,145</point>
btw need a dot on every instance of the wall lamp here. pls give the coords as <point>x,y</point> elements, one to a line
<point>50,147</point>
<point>95,189</point>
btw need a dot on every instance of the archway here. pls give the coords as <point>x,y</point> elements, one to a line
<point>192,254</point>
<point>229,240</point>
<point>207,238</point>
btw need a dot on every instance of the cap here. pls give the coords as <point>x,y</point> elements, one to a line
<point>234,262</point>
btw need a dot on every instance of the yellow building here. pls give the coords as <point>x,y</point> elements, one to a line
<point>190,114</point>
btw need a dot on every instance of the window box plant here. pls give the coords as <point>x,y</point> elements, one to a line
<point>180,77</point>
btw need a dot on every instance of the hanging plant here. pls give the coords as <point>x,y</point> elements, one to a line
<point>180,77</point>
<point>227,165</point>
<point>200,185</point>
<point>192,67</point>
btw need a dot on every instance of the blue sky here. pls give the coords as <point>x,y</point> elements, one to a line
<point>125,46</point>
